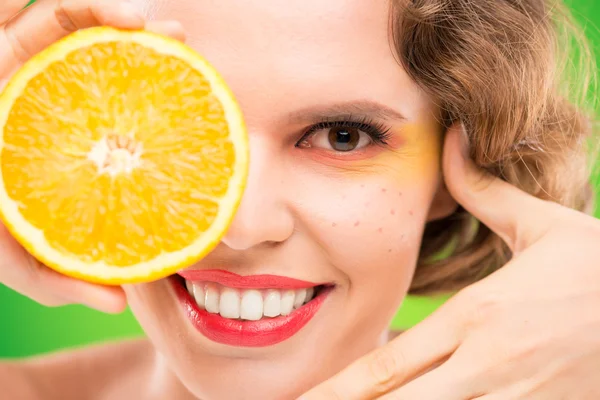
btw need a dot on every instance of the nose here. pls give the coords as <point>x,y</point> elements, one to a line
<point>263,216</point>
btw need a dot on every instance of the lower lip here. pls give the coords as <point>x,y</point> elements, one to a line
<point>266,332</point>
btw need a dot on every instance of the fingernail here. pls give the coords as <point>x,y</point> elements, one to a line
<point>464,141</point>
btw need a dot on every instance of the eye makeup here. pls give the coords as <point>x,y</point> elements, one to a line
<point>378,132</point>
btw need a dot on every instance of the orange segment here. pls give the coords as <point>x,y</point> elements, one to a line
<point>123,156</point>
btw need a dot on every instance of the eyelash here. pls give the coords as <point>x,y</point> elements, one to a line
<point>377,131</point>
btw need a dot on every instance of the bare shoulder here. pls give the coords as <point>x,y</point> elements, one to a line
<point>94,372</point>
<point>15,382</point>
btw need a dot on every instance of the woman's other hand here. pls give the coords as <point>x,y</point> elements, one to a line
<point>22,35</point>
<point>529,331</point>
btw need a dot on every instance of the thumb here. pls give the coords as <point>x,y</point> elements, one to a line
<point>517,217</point>
<point>10,8</point>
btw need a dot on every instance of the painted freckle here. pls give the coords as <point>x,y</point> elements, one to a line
<point>399,193</point>
<point>380,230</point>
<point>383,190</point>
<point>389,250</point>
<point>411,212</point>
<point>357,223</point>
<point>334,224</point>
<point>393,212</point>
<point>362,185</point>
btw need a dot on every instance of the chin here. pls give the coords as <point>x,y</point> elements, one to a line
<point>252,380</point>
<point>244,355</point>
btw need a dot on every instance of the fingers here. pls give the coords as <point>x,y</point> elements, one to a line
<point>173,29</point>
<point>109,299</point>
<point>50,20</point>
<point>517,217</point>
<point>10,8</point>
<point>441,383</point>
<point>22,273</point>
<point>410,354</point>
<point>80,14</point>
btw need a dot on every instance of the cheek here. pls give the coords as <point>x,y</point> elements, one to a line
<point>374,211</point>
<point>150,303</point>
<point>141,303</point>
<point>157,311</point>
<point>370,217</point>
<point>367,221</point>
<point>373,224</point>
<point>371,233</point>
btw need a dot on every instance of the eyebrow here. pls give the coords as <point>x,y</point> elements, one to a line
<point>359,107</point>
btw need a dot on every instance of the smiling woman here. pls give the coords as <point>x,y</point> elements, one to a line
<point>25,317</point>
<point>346,209</point>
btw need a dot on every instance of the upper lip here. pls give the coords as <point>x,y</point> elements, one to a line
<point>233,280</point>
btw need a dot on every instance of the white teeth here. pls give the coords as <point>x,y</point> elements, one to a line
<point>248,304</point>
<point>272,303</point>
<point>252,305</point>
<point>310,292</point>
<point>229,306</point>
<point>212,298</point>
<point>287,302</point>
<point>199,293</point>
<point>300,297</point>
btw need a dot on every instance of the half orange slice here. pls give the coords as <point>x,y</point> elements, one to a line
<point>123,156</point>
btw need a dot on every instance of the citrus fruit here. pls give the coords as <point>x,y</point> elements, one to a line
<point>123,156</point>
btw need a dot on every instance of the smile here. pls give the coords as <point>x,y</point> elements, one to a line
<point>247,311</point>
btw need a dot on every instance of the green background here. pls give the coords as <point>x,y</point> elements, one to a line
<point>27,328</point>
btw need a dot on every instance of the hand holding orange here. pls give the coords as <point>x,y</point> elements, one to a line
<point>123,154</point>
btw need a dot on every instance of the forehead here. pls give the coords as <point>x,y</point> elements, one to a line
<point>316,18</point>
<point>295,46</point>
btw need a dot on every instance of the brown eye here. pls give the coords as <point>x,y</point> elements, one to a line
<point>343,138</point>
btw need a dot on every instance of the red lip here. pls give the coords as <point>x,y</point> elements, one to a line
<point>230,279</point>
<point>266,332</point>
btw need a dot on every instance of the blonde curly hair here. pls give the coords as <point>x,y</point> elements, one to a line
<point>502,68</point>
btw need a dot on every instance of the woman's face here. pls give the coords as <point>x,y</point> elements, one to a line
<point>344,172</point>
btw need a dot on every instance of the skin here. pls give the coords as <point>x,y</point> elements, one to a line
<point>491,341</point>
<point>294,194</point>
<point>367,247</point>
<point>528,331</point>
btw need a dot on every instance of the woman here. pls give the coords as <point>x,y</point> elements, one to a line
<point>347,209</point>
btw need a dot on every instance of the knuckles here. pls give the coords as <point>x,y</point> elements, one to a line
<point>63,13</point>
<point>385,369</point>
<point>475,305</point>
